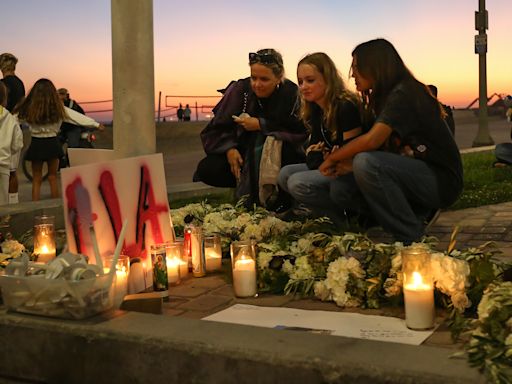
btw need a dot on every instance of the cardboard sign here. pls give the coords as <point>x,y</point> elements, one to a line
<point>100,196</point>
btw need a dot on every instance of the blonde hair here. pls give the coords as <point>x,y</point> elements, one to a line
<point>8,62</point>
<point>335,90</point>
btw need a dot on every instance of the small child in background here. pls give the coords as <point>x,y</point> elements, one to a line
<point>11,143</point>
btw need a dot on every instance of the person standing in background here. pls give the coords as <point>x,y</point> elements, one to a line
<point>44,113</point>
<point>69,132</point>
<point>15,92</point>
<point>11,143</point>
<point>447,109</point>
<point>179,113</point>
<point>186,113</point>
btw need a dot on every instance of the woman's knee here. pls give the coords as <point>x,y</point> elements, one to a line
<point>364,162</point>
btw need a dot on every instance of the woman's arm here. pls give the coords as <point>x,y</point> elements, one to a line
<point>370,141</point>
<point>77,118</point>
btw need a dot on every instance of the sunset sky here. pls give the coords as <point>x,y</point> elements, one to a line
<point>199,45</point>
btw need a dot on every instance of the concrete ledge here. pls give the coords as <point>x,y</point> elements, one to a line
<point>140,348</point>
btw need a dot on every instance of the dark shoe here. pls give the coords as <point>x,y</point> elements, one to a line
<point>294,214</point>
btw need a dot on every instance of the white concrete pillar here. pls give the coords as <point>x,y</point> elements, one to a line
<point>133,77</point>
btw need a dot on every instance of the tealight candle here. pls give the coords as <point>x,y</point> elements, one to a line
<point>244,268</point>
<point>44,238</point>
<point>213,253</point>
<point>418,288</point>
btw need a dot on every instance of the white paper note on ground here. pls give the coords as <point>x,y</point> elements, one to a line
<point>354,325</point>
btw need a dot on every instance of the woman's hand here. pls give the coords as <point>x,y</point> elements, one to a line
<point>235,162</point>
<point>343,167</point>
<point>328,167</point>
<point>249,123</point>
<point>318,147</point>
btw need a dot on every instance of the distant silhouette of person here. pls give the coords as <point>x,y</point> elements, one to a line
<point>186,113</point>
<point>179,113</point>
<point>449,114</point>
<point>15,92</point>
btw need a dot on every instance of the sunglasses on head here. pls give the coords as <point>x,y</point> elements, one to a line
<point>264,58</point>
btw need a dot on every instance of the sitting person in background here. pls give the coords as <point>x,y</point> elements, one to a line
<point>503,151</point>
<point>11,143</point>
<point>407,165</point>
<point>331,113</point>
<point>255,131</point>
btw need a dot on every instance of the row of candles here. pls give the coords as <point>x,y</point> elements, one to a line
<point>171,263</point>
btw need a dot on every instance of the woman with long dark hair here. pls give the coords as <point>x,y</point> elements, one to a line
<point>407,165</point>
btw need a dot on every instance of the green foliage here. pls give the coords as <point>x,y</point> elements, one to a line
<point>484,184</point>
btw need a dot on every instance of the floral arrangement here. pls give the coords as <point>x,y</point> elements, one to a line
<point>311,258</point>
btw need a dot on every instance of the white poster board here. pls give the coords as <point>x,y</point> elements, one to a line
<point>102,195</point>
<point>84,156</point>
<point>346,324</point>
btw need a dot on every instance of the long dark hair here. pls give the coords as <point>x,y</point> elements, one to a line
<point>335,90</point>
<point>42,104</point>
<point>379,61</point>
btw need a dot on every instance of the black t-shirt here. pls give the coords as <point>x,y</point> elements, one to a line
<point>416,123</point>
<point>347,118</point>
<point>16,90</point>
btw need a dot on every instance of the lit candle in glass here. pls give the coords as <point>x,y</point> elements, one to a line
<point>44,238</point>
<point>175,250</point>
<point>418,288</point>
<point>243,259</point>
<point>121,280</point>
<point>213,253</point>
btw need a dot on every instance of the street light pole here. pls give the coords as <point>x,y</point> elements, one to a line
<point>481,24</point>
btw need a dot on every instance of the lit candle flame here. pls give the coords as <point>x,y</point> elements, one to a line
<point>44,249</point>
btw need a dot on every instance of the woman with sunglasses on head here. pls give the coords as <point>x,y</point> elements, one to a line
<point>407,165</point>
<point>255,131</point>
<point>331,112</point>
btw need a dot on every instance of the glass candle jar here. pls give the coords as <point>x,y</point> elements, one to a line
<point>121,278</point>
<point>418,287</point>
<point>197,252</point>
<point>212,253</point>
<point>158,260</point>
<point>243,263</point>
<point>44,238</point>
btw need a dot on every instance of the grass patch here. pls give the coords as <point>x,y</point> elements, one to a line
<point>484,184</point>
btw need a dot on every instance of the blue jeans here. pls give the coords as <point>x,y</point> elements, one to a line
<point>399,190</point>
<point>315,191</point>
<point>503,152</point>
